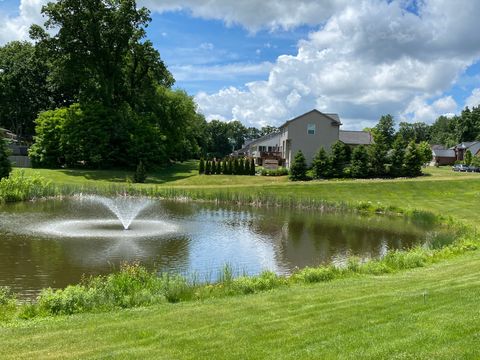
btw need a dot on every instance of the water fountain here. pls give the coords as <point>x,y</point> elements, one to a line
<point>126,208</point>
<point>126,225</point>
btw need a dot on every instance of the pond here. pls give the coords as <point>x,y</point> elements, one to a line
<point>53,243</point>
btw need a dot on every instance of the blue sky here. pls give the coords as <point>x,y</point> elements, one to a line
<point>265,62</point>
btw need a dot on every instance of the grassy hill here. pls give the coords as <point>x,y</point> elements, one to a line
<point>426,313</point>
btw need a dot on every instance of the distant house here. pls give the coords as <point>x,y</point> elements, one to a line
<point>18,153</point>
<point>307,132</point>
<point>443,156</point>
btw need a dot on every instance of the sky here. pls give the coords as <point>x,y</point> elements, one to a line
<point>264,62</point>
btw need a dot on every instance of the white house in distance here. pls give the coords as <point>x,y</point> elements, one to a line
<point>307,132</point>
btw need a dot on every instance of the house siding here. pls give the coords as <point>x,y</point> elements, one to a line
<point>294,136</point>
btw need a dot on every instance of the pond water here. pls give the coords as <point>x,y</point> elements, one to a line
<point>53,243</point>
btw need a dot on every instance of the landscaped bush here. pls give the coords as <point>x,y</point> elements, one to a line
<point>281,171</point>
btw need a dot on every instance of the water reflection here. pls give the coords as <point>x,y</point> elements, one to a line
<point>204,238</point>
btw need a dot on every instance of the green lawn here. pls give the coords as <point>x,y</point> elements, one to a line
<point>441,190</point>
<point>369,317</point>
<point>362,317</point>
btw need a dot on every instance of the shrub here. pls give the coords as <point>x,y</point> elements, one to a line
<point>399,260</point>
<point>267,280</point>
<point>281,171</point>
<point>6,296</point>
<point>316,274</point>
<point>201,167</point>
<point>298,169</point>
<point>19,187</point>
<point>140,173</point>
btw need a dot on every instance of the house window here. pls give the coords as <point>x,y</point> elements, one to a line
<point>311,129</point>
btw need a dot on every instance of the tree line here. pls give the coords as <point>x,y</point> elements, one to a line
<point>228,166</point>
<point>389,156</point>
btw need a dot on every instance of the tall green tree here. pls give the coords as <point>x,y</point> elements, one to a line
<point>377,154</point>
<point>425,152</point>
<point>385,130</point>
<point>24,91</point>
<point>100,50</point>
<point>468,158</point>
<point>360,162</point>
<point>321,165</point>
<point>339,158</point>
<point>298,168</point>
<point>412,163</point>
<point>397,156</point>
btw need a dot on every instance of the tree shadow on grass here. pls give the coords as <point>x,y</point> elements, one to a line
<point>158,176</point>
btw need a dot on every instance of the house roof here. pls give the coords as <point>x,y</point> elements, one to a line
<point>356,137</point>
<point>443,153</point>
<point>260,139</point>
<point>334,117</point>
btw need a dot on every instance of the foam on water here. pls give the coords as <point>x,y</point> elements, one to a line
<point>106,229</point>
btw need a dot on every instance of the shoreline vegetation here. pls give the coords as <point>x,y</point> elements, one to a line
<point>134,286</point>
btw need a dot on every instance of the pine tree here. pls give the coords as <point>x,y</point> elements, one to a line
<point>201,167</point>
<point>140,173</point>
<point>247,167</point>
<point>224,167</point>
<point>5,165</point>
<point>397,156</point>
<point>340,158</point>
<point>241,167</point>
<point>252,167</point>
<point>213,168</point>
<point>321,165</point>
<point>219,167</point>
<point>298,169</point>
<point>377,154</point>
<point>427,155</point>
<point>235,167</point>
<point>230,166</point>
<point>359,167</point>
<point>412,163</point>
<point>208,168</point>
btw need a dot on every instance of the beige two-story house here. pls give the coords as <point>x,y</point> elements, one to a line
<point>307,132</point>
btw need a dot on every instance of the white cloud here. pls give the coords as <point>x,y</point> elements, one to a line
<point>17,27</point>
<point>473,99</point>
<point>254,15</point>
<point>370,58</point>
<point>219,72</point>
<point>420,110</point>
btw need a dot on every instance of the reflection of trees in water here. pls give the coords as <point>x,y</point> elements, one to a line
<point>39,263</point>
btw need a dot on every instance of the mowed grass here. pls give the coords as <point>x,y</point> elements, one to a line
<point>427,313</point>
<point>441,190</point>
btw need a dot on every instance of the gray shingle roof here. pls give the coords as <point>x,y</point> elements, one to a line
<point>334,117</point>
<point>356,137</point>
<point>443,153</point>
